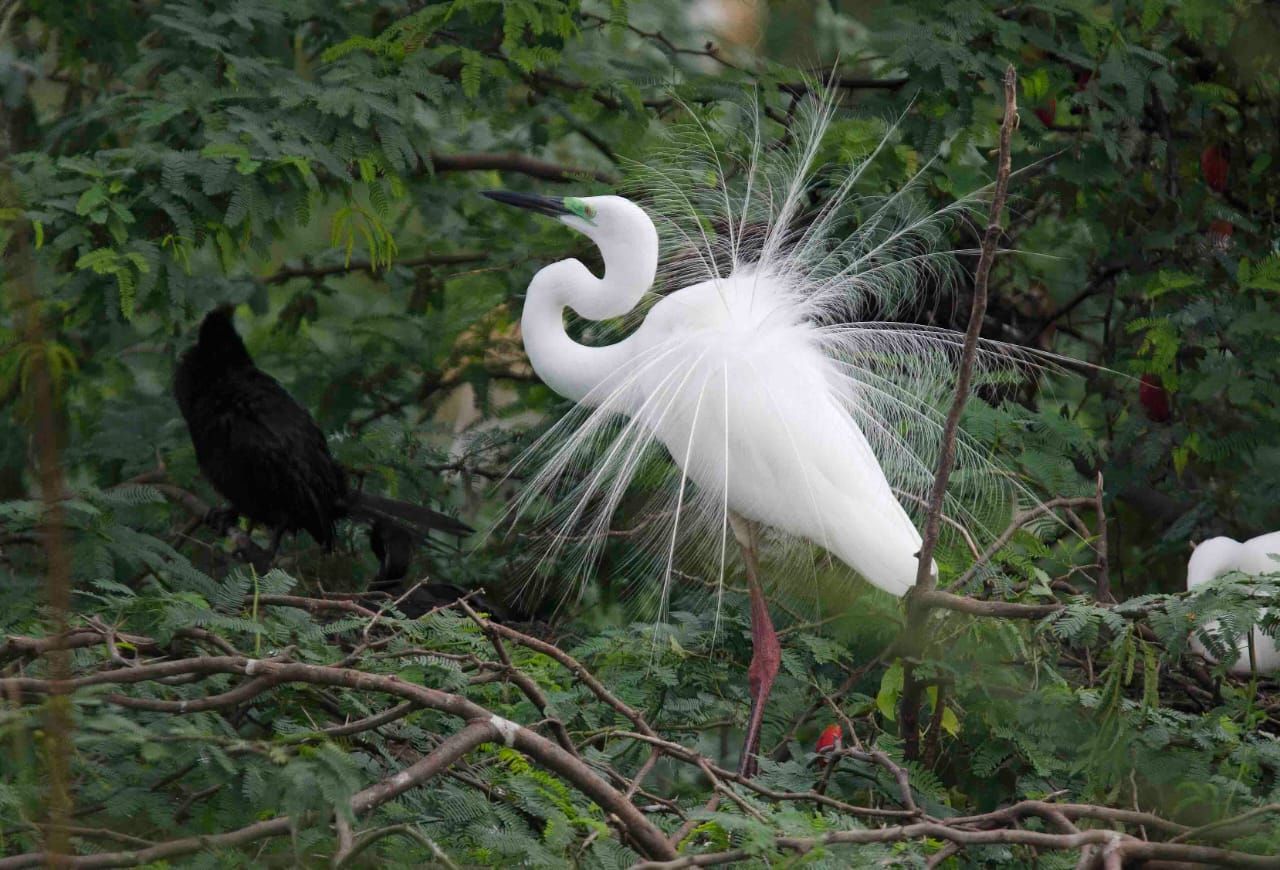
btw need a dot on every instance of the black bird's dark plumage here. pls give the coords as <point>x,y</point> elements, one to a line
<point>264,453</point>
<point>392,545</point>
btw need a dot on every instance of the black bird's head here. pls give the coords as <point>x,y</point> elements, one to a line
<point>219,340</point>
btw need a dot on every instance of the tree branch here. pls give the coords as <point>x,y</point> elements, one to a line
<point>1020,519</point>
<point>522,164</point>
<point>1123,845</point>
<point>647,838</point>
<point>917,610</point>
<point>313,272</point>
<point>573,665</point>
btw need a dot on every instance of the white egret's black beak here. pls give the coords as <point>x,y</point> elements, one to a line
<point>551,206</point>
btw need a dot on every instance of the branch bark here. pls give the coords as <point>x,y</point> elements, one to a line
<point>314,272</point>
<point>1121,845</point>
<point>917,608</point>
<point>573,665</point>
<point>522,164</point>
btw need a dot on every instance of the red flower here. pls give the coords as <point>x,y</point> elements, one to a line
<point>1154,398</point>
<point>830,740</point>
<point>1047,111</point>
<point>1213,166</point>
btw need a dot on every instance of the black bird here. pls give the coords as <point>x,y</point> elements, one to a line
<point>264,453</point>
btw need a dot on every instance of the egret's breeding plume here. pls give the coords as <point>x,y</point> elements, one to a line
<point>1218,556</point>
<point>782,413</point>
<point>265,454</point>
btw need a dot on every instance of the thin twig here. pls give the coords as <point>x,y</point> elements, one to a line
<point>1104,570</point>
<point>639,830</point>
<point>288,273</point>
<point>1121,845</point>
<point>926,581</point>
<point>1019,520</point>
<point>1200,832</point>
<point>573,665</point>
<point>964,377</point>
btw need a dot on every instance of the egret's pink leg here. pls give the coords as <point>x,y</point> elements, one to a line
<point>766,652</point>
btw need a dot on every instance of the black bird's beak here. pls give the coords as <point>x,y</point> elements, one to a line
<point>551,206</point>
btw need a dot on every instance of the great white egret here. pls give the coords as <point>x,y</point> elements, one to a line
<point>1218,556</point>
<point>786,412</point>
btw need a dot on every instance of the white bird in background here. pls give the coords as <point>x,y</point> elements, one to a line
<point>1218,556</point>
<point>786,416</point>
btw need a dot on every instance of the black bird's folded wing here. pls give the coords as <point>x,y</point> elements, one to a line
<point>262,450</point>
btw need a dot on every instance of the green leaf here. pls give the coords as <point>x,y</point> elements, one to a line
<point>91,199</point>
<point>890,691</point>
<point>1035,87</point>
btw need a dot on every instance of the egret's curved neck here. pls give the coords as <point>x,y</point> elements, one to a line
<point>574,370</point>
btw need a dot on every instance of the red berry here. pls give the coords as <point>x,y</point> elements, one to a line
<point>1154,398</point>
<point>1047,111</point>
<point>1213,166</point>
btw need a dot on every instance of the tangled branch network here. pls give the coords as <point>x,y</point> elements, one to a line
<point>169,682</point>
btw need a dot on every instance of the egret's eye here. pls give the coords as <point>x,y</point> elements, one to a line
<point>580,208</point>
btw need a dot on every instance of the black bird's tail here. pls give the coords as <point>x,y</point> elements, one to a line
<point>372,508</point>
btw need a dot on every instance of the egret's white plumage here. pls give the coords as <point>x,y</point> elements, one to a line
<point>760,387</point>
<point>1218,556</point>
<point>760,376</point>
<point>736,386</point>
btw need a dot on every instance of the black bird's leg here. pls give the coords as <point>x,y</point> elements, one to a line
<point>261,560</point>
<point>220,519</point>
<point>276,535</point>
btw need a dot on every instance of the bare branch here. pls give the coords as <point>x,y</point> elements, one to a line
<point>368,723</point>
<point>917,610</point>
<point>79,638</point>
<point>573,665</point>
<point>924,576</point>
<point>647,838</point>
<point>1121,845</point>
<point>239,694</point>
<point>313,272</point>
<point>978,607</point>
<point>523,164</point>
<point>1019,520</point>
